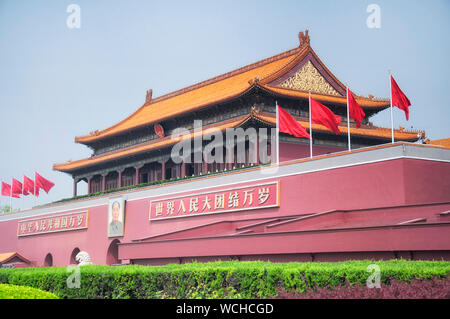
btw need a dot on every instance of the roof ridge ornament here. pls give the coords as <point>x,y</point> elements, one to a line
<point>253,81</point>
<point>303,38</point>
<point>148,97</point>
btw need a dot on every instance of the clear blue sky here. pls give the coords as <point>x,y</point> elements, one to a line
<point>57,83</point>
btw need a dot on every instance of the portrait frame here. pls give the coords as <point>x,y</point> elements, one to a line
<point>116,217</point>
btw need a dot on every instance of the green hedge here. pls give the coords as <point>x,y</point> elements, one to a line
<point>233,279</point>
<point>22,292</point>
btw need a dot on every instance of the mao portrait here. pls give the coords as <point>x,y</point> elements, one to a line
<point>116,214</point>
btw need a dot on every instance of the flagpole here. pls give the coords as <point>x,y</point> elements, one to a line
<point>277,135</point>
<point>10,199</point>
<point>348,123</point>
<point>392,112</point>
<point>35,197</point>
<point>310,126</point>
<point>21,201</point>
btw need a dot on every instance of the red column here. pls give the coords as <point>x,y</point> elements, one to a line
<point>205,164</point>
<point>247,155</point>
<point>136,181</point>
<point>222,164</point>
<point>272,154</point>
<point>256,153</point>
<point>163,170</point>
<point>103,182</point>
<point>229,153</point>
<point>151,171</point>
<point>75,182</point>
<point>89,184</point>
<point>183,170</point>
<point>119,181</point>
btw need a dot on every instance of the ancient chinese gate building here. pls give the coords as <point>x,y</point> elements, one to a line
<point>131,152</point>
<point>378,201</point>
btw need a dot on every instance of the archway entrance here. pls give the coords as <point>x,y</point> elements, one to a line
<point>73,261</point>
<point>112,256</point>
<point>48,261</point>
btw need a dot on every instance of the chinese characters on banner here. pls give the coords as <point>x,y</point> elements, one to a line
<point>51,224</point>
<point>227,200</point>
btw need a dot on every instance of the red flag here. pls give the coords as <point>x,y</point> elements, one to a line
<point>399,99</point>
<point>356,112</point>
<point>28,186</point>
<point>6,189</point>
<point>16,188</point>
<point>320,114</point>
<point>42,183</point>
<point>288,124</point>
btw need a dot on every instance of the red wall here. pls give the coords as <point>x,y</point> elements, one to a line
<point>292,151</point>
<point>388,183</point>
<point>426,181</point>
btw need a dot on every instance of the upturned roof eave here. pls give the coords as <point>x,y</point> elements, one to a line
<point>86,139</point>
<point>267,118</point>
<point>144,147</point>
<point>282,92</point>
<point>82,139</point>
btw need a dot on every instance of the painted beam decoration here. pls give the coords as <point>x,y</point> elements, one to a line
<point>53,224</point>
<point>227,200</point>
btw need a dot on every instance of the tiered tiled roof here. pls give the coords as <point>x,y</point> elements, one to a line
<point>148,146</point>
<point>267,75</point>
<point>228,86</point>
<point>267,118</point>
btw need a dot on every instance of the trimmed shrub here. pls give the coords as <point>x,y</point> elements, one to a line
<point>231,279</point>
<point>23,292</point>
<point>433,288</point>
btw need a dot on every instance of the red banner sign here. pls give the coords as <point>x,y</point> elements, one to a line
<point>52,224</point>
<point>222,201</point>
